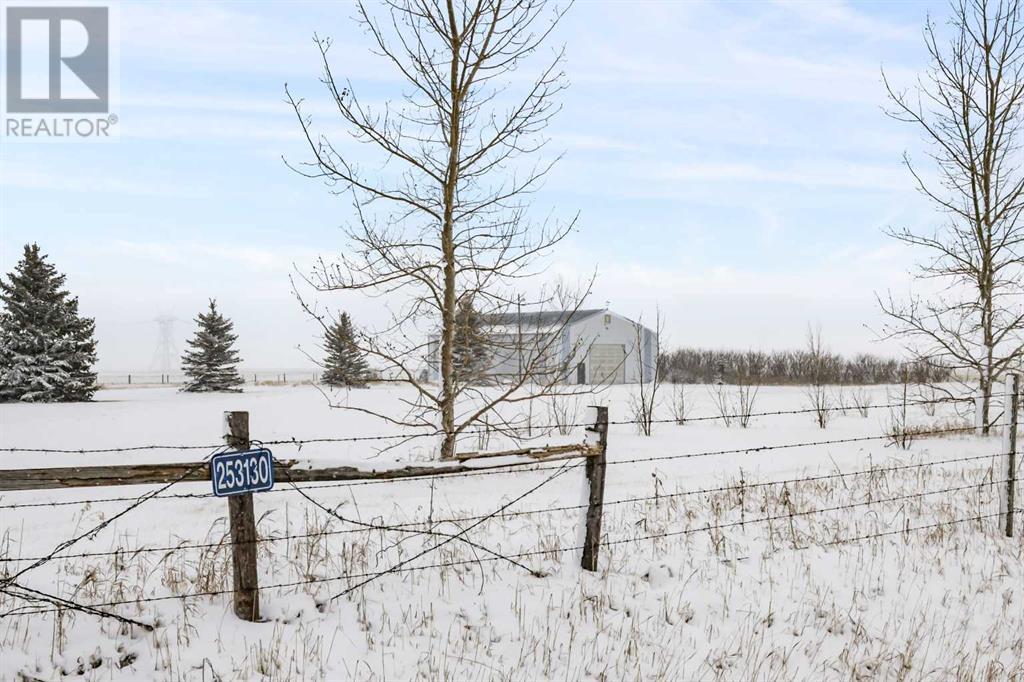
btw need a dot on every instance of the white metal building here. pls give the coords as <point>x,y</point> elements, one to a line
<point>605,347</point>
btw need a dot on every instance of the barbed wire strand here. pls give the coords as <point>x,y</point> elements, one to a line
<point>61,602</point>
<point>497,429</point>
<point>213,593</point>
<point>411,525</point>
<point>559,550</point>
<point>369,527</point>
<point>142,499</point>
<point>563,469</point>
<point>505,469</point>
<point>537,466</point>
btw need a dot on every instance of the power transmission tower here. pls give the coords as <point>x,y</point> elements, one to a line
<point>166,352</point>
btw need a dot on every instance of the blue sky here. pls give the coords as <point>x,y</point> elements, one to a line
<point>730,162</point>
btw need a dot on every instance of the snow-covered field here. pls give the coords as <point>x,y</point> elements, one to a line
<point>693,584</point>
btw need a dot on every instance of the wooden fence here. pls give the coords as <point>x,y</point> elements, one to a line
<point>244,538</point>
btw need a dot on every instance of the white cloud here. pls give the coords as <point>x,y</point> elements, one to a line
<point>817,173</point>
<point>840,16</point>
<point>204,255</point>
<point>65,180</point>
<point>724,305</point>
<point>226,38</point>
<point>583,142</point>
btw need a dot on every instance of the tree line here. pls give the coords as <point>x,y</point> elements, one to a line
<point>708,366</point>
<point>47,350</point>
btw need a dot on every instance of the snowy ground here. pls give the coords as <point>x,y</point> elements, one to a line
<point>788,598</point>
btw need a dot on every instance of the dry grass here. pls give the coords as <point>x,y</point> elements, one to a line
<point>761,600</point>
<point>904,434</point>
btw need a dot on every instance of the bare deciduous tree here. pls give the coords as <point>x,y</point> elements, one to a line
<point>968,108</point>
<point>443,221</point>
<point>644,401</point>
<point>817,393</point>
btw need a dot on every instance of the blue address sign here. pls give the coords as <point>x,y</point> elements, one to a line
<point>235,473</point>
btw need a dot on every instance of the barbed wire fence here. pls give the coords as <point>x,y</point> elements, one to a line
<point>592,455</point>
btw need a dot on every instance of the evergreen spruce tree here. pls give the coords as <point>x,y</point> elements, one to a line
<point>471,352</point>
<point>46,350</point>
<point>345,364</point>
<point>211,362</point>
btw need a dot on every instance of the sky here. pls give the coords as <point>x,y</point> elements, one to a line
<point>731,165</point>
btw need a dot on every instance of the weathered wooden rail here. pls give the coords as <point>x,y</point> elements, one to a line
<point>244,534</point>
<point>48,478</point>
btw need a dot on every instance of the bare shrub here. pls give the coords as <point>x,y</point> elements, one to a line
<point>899,431</point>
<point>563,413</point>
<point>746,396</point>
<point>862,401</point>
<point>645,399</point>
<point>735,403</point>
<point>840,399</point>
<point>680,408</point>
<point>720,399</point>
<point>929,398</point>
<point>820,404</point>
<point>641,410</point>
<point>818,360</point>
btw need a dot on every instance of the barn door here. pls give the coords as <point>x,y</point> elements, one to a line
<point>608,363</point>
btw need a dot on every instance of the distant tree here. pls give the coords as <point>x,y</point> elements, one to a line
<point>211,362</point>
<point>969,108</point>
<point>46,349</point>
<point>696,365</point>
<point>345,364</point>
<point>820,365</point>
<point>644,401</point>
<point>471,353</point>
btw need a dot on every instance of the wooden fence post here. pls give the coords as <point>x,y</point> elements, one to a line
<point>595,502</point>
<point>1011,408</point>
<point>243,528</point>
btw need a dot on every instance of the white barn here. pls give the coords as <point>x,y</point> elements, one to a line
<point>605,347</point>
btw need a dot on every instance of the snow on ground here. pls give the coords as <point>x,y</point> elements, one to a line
<point>685,590</point>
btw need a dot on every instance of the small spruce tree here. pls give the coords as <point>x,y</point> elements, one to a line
<point>211,362</point>
<point>471,353</point>
<point>345,364</point>
<point>46,349</point>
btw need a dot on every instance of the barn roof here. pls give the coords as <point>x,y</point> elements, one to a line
<point>545,318</point>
